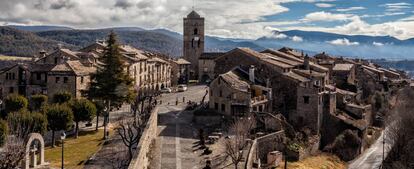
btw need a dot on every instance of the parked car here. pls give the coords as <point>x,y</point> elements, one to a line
<point>166,90</point>
<point>182,88</point>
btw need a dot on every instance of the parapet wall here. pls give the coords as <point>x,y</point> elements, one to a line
<point>140,159</point>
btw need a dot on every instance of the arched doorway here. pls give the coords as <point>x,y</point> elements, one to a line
<point>35,144</point>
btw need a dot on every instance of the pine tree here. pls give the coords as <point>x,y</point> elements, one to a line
<point>111,84</point>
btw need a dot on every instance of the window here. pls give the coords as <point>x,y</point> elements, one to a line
<point>195,31</point>
<point>65,79</point>
<point>14,76</point>
<point>7,76</point>
<point>57,79</point>
<point>81,79</point>
<point>11,90</point>
<point>211,93</point>
<point>306,99</point>
<point>38,76</point>
<point>223,107</point>
<point>216,106</point>
<point>221,93</point>
<point>56,60</point>
<point>260,108</point>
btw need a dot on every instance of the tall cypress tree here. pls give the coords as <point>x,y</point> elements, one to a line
<point>111,84</point>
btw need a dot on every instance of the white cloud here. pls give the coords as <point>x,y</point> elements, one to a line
<point>377,44</point>
<point>350,9</point>
<point>326,16</point>
<point>279,36</point>
<point>343,42</point>
<point>324,5</point>
<point>297,39</point>
<point>393,7</point>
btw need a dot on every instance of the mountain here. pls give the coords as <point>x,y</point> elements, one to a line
<point>40,28</point>
<point>359,46</point>
<point>23,43</point>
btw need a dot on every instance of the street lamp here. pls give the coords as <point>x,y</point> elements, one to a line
<point>62,138</point>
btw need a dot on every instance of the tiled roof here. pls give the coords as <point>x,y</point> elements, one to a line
<point>343,67</point>
<point>281,59</point>
<point>295,76</point>
<point>283,55</point>
<point>211,55</point>
<point>80,69</point>
<point>236,81</point>
<point>276,62</point>
<point>372,69</point>
<point>309,73</point>
<point>251,52</point>
<point>182,61</point>
<point>63,67</point>
<point>193,14</point>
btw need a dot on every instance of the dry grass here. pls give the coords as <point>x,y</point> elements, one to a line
<point>323,161</point>
<point>77,151</point>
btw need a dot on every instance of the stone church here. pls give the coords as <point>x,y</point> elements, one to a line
<point>193,39</point>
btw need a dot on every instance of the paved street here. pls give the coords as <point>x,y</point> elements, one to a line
<point>372,157</point>
<point>176,134</point>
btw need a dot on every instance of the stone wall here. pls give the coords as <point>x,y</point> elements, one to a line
<point>140,159</point>
<point>263,145</point>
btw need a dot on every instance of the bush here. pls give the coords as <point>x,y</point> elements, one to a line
<point>59,117</point>
<point>4,131</point>
<point>27,122</point>
<point>37,101</point>
<point>14,103</point>
<point>62,97</point>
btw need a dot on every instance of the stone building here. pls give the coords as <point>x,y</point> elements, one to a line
<point>238,92</point>
<point>67,70</point>
<point>297,83</point>
<point>206,66</point>
<point>180,71</point>
<point>193,41</point>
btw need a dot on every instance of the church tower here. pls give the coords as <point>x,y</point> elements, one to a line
<point>193,41</point>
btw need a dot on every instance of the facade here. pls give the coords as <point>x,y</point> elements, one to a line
<point>206,65</point>
<point>67,70</point>
<point>193,40</point>
<point>238,92</point>
<point>180,71</point>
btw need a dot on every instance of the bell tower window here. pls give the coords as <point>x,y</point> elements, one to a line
<point>195,31</point>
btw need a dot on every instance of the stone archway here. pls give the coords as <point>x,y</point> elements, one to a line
<point>26,161</point>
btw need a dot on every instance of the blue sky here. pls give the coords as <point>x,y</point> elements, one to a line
<point>230,18</point>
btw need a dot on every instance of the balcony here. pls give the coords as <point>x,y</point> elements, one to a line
<point>259,100</point>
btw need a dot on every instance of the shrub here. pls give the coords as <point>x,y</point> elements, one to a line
<point>4,131</point>
<point>14,103</point>
<point>83,110</point>
<point>59,117</point>
<point>62,97</point>
<point>26,122</point>
<point>37,101</point>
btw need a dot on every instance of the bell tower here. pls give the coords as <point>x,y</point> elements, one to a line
<point>193,39</point>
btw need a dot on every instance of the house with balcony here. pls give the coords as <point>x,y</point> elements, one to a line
<point>238,93</point>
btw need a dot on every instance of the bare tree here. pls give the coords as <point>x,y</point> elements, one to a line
<point>116,158</point>
<point>13,153</point>
<point>240,131</point>
<point>400,132</point>
<point>130,131</point>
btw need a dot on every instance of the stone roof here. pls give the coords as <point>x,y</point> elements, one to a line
<point>277,63</point>
<point>193,14</point>
<point>211,55</point>
<point>79,69</point>
<point>236,81</point>
<point>182,61</point>
<point>372,69</point>
<point>251,52</point>
<point>291,51</point>
<point>287,61</point>
<point>62,67</point>
<point>282,54</point>
<point>157,59</point>
<point>309,73</point>
<point>296,77</point>
<point>343,67</point>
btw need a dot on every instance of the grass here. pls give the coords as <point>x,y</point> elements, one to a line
<point>322,161</point>
<point>13,58</point>
<point>77,151</point>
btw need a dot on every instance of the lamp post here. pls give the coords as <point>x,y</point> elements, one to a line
<point>62,138</point>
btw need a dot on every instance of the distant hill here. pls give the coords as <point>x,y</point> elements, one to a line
<point>15,42</point>
<point>40,28</point>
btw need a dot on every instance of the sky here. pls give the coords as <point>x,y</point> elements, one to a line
<point>248,19</point>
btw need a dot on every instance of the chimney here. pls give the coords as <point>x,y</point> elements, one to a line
<point>42,53</point>
<point>251,74</point>
<point>306,62</point>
